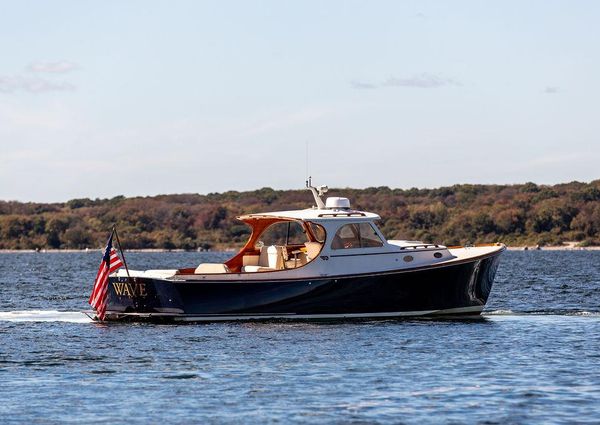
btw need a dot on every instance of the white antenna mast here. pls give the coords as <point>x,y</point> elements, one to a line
<point>317,192</point>
<point>307,170</point>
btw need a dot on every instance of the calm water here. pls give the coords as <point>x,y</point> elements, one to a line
<point>535,358</point>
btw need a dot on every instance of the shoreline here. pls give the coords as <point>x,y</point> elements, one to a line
<point>159,250</point>
<point>566,246</point>
<point>92,250</point>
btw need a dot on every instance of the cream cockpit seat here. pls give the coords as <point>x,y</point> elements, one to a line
<point>211,268</point>
<point>270,258</point>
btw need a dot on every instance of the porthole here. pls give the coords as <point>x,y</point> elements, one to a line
<point>437,255</point>
<point>408,258</point>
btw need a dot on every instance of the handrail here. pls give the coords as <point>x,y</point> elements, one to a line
<point>477,245</point>
<point>424,245</point>
<point>345,214</point>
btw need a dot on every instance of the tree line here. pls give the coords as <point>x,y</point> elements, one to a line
<point>522,214</point>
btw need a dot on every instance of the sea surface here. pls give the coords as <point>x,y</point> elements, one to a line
<point>534,358</point>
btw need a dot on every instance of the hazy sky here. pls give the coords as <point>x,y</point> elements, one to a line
<point>104,98</point>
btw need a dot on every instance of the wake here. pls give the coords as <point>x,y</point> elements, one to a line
<point>556,312</point>
<point>44,316</point>
<point>80,317</point>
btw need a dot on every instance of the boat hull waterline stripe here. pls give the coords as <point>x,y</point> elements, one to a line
<point>474,310</point>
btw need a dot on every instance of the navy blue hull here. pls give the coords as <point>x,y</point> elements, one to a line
<point>460,287</point>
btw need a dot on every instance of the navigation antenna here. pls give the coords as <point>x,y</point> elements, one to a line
<point>317,192</point>
<point>307,175</point>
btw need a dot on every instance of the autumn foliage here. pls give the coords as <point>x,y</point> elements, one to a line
<point>523,214</point>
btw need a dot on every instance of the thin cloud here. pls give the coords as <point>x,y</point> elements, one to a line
<point>551,90</point>
<point>361,85</point>
<point>421,81</point>
<point>19,83</point>
<point>29,82</point>
<point>59,67</point>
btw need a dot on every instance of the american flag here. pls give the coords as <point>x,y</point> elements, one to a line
<point>110,263</point>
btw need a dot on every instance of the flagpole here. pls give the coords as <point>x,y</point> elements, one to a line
<point>121,250</point>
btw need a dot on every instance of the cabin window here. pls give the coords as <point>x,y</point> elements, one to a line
<point>356,235</point>
<point>284,233</point>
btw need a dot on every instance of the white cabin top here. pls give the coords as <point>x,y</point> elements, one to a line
<point>314,214</point>
<point>334,208</point>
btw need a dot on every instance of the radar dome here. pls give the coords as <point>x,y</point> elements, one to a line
<point>337,203</point>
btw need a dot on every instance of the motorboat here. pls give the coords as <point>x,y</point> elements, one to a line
<point>329,261</point>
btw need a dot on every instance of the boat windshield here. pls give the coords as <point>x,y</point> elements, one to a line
<point>283,233</point>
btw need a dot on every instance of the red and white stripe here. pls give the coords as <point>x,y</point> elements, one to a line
<point>100,292</point>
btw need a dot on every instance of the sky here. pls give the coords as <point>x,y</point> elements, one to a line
<point>137,98</point>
